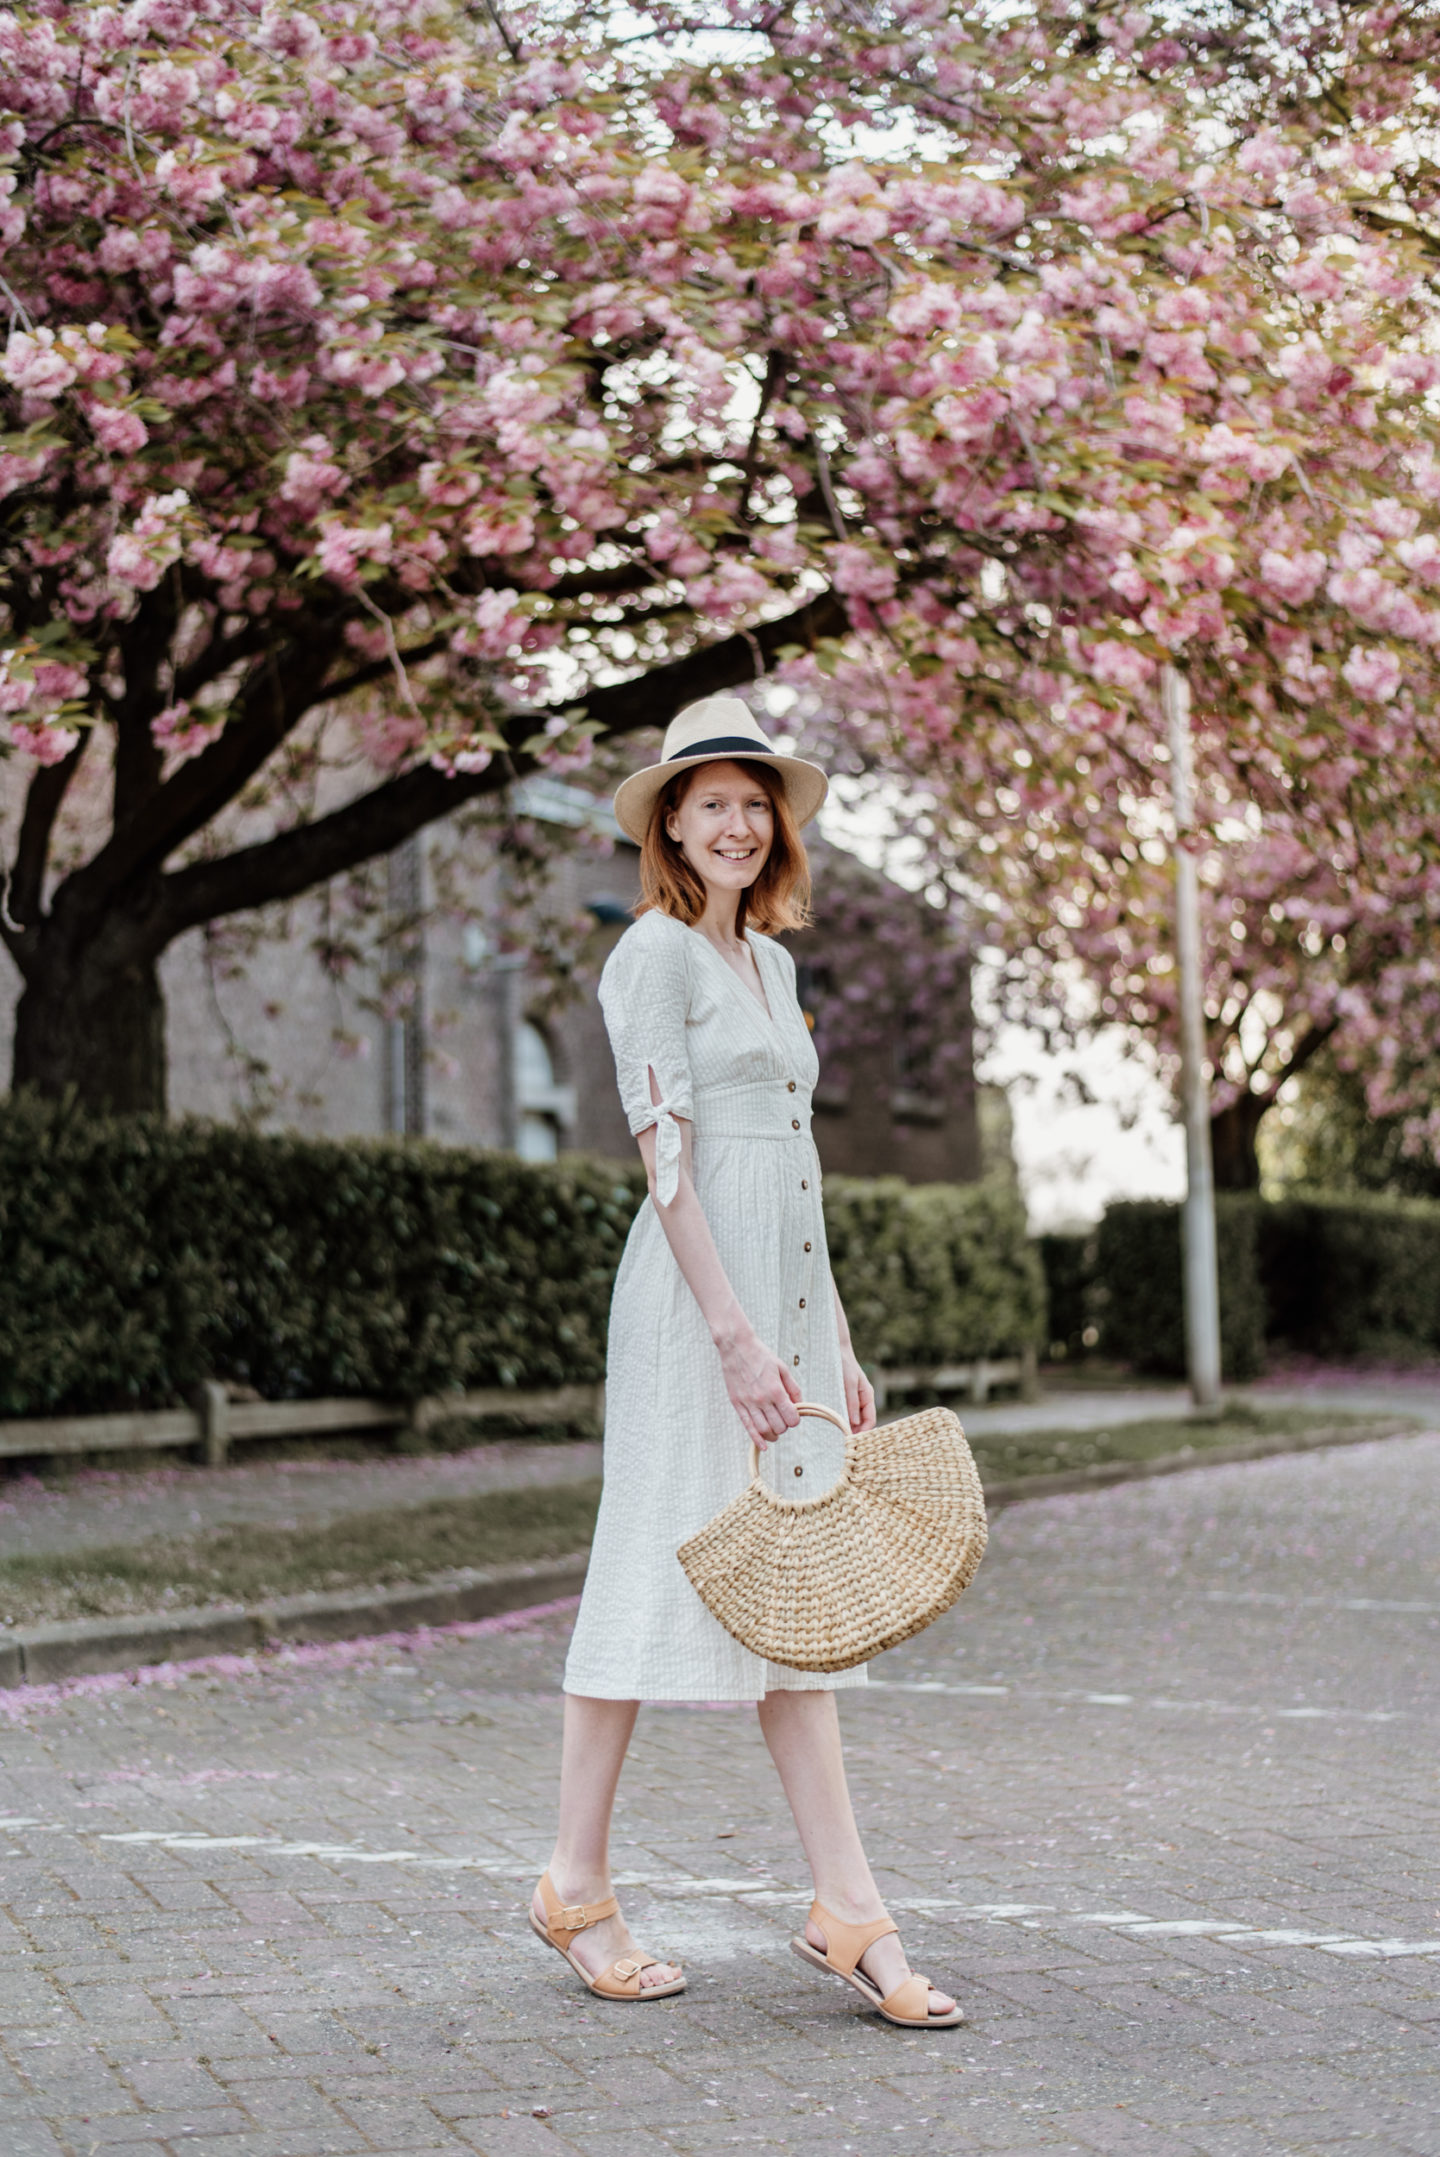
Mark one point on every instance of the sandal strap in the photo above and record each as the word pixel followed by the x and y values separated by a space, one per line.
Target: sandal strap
pixel 568 1918
pixel 622 1979
pixel 845 1944
pixel 910 2001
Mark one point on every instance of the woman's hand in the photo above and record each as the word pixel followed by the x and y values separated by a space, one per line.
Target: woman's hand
pixel 762 1392
pixel 859 1393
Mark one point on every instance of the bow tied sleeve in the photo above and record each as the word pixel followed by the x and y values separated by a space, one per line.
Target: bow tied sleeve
pixel 645 996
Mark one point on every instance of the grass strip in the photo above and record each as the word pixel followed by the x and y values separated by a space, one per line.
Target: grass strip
pixel 248 1563
pixel 1008 1456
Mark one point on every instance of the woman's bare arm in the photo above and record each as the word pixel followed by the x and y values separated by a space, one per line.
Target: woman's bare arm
pixel 859 1393
pixel 762 1392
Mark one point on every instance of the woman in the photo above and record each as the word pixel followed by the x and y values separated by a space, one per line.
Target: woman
pixel 724 1316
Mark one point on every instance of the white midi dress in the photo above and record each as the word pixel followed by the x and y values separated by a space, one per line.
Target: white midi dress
pixel 675 1450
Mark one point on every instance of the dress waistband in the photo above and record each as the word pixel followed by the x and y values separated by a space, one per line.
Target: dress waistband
pixel 763 1108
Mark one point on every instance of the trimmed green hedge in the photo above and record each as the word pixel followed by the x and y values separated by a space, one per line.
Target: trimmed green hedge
pixel 1139 1300
pixel 1334 1277
pixel 141 1257
pixel 138 1258
pixel 1069 1262
pixel 1352 1276
pixel 933 1273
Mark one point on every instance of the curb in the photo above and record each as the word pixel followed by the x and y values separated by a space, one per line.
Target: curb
pixel 81 1647
pixel 1099 1475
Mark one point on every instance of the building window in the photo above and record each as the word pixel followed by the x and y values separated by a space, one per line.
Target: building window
pixel 542 1106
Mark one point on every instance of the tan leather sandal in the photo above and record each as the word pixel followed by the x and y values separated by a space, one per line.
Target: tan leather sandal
pixel 622 1980
pixel 908 2005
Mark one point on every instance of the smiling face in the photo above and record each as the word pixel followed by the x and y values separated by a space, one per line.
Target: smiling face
pixel 724 826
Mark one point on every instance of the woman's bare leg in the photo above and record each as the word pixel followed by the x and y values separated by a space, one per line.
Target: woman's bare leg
pixel 596 1739
pixel 802 1731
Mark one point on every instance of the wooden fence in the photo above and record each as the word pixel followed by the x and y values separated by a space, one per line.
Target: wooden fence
pixel 216 1422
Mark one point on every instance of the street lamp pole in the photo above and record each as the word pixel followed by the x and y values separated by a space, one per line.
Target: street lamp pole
pixel 1202 1278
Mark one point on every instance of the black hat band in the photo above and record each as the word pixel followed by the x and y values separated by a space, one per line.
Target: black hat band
pixel 725 745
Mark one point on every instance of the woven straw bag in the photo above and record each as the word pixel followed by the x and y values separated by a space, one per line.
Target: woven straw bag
pixel 825 1583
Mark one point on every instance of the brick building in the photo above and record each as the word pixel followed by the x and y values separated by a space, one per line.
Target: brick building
pixel 458 1043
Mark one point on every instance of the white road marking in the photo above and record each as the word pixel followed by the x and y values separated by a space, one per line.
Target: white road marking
pixel 764 1892
pixel 1075 1698
pixel 1322 1602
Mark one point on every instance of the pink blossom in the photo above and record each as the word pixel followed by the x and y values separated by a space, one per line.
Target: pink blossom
pixel 271 388
pixel 192 186
pixel 498 622
pixel 662 199
pixel 447 486
pixel 669 543
pixel 178 732
pixel 500 528
pixel 1422 555
pixel 1261 460
pixel 924 306
pixel 139 558
pixel 343 547
pixel 1392 519
pixel 1267 156
pixel 1121 666
pixel 32 363
pixel 47 744
pixel 217 560
pixel 371 372
pixel 731 587
pixel 58 681
pixel 19 470
pixel 859 575
pixel 312 476
pixel 117 429
pixel 1294 578
pixel 1373 672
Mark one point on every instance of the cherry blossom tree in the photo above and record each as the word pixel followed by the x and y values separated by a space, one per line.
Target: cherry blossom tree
pixel 508 379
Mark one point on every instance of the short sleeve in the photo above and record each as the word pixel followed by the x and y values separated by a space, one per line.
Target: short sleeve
pixel 645 996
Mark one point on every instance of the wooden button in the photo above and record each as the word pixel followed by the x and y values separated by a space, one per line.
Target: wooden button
pixel 799 1471
pixel 794 1123
pixel 791 1087
pixel 807 1246
pixel 802 1303
pixel 794 1359
pixel 804 1184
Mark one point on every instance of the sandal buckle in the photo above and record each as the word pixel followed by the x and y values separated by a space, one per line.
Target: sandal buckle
pixel 571 1917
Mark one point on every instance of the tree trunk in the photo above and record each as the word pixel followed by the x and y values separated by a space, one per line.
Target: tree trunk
pixel 1233 1133
pixel 91 1023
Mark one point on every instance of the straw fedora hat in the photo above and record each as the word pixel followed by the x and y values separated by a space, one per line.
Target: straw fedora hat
pixel 716 729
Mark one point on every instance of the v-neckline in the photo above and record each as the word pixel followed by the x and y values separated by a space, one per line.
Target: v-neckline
pixel 761 1002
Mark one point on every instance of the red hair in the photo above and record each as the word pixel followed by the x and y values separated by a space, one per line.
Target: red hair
pixel 778 899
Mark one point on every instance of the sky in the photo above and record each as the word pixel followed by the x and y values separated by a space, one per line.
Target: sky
pixel 1074 1154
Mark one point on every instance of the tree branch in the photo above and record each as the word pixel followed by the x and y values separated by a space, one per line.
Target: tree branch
pixel 377 822
pixel 48 789
pixel 280 690
pixel 381 670
pixel 1309 1047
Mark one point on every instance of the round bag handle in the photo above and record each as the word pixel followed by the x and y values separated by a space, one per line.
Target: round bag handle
pixel 803 1408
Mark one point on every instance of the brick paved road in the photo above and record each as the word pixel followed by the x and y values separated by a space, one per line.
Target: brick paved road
pixel 1161 1804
